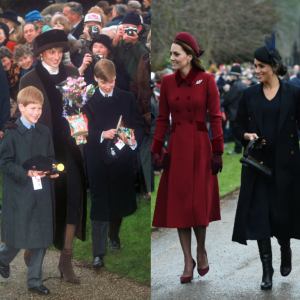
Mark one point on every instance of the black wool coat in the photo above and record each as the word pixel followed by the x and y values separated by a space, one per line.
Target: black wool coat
pixel 112 183
pixel 287 163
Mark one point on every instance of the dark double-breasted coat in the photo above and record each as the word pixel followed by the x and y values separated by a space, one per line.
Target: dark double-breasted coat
pixel 26 213
pixel 112 184
pixel 188 193
pixel 287 163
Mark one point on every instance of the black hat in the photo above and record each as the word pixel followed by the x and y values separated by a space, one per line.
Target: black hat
pixel 235 70
pixel 262 54
pixel 50 39
pixel 10 15
pixel 40 162
pixel 5 29
pixel 268 54
pixel 103 39
pixel 132 18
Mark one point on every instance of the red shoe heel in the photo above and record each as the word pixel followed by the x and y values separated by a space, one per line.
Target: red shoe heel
pixel 188 279
pixel 202 272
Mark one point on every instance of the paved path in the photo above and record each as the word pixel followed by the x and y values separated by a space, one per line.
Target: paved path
pixel 235 270
pixel 95 285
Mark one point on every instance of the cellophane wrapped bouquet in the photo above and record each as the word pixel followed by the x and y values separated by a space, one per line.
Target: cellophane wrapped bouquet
pixel 75 94
pixel 124 132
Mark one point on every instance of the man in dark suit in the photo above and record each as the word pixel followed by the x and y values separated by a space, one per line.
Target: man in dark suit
pixel 74 12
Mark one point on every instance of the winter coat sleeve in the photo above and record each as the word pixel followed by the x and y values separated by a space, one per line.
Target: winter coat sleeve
pixel 7 153
pixel 162 121
pixel 123 79
pixel 241 126
pixel 4 98
pixel 138 50
pixel 215 117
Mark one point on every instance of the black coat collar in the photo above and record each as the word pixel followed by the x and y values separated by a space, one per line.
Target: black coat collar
pixel 115 96
pixel 286 99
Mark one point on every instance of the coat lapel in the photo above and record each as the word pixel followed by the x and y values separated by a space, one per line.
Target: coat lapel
pixel 286 98
pixel 256 103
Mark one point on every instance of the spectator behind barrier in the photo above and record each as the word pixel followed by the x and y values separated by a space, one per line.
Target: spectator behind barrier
pixel 30 31
pixel 74 12
pixel 25 59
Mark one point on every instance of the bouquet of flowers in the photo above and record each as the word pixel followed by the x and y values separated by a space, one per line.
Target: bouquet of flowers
pixel 75 94
pixel 122 131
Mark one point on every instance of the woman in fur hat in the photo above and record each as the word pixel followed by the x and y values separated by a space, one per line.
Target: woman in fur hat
pixel 70 192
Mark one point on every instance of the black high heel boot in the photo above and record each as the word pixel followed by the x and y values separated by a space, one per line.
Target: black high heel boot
pixel 286 257
pixel 265 252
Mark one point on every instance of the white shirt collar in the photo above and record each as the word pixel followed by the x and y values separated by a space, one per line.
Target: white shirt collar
pixel 50 69
pixel 103 94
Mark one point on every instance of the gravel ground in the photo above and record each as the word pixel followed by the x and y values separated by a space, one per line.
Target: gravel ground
pixel 96 285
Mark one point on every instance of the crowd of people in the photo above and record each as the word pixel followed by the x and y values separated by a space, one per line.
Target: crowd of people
pixel 109 46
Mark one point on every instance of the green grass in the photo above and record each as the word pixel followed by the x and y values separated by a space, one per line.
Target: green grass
pixel 131 261
pixel 229 178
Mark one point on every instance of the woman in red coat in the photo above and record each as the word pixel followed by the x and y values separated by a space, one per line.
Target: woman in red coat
pixel 188 194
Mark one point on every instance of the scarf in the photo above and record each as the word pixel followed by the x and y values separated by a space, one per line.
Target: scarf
pixel 14 74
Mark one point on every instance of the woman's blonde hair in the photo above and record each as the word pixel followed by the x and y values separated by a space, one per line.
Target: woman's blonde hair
pixel 64 22
pixel 196 62
pixel 17 35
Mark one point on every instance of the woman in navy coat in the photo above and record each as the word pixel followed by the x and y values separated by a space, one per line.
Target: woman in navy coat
pixel 270 207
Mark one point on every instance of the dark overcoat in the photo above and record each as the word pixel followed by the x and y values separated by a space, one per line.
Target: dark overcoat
pixel 52 117
pixel 112 183
pixel 26 213
pixel 188 193
pixel 287 165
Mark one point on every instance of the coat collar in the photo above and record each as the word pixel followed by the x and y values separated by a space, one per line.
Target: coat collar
pixel 286 96
pixel 188 78
pixel 115 96
pixel 22 129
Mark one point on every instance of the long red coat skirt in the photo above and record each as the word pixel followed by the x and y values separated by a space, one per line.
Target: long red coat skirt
pixel 188 193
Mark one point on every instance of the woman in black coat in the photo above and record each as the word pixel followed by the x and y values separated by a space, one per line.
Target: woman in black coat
pixel 270 207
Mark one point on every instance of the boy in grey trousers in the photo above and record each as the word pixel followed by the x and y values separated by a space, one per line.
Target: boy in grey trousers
pixel 26 197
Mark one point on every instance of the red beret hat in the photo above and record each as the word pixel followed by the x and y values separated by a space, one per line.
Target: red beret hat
pixel 189 40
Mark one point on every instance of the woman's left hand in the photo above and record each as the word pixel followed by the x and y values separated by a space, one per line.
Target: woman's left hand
pixel 216 163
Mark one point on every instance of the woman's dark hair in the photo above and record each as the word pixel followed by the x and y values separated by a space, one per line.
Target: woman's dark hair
pixel 196 62
pixel 283 69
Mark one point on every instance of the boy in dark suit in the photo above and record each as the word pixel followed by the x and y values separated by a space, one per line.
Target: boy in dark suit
pixel 27 204
pixel 110 165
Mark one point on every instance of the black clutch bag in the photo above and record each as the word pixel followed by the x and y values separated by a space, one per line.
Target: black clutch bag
pixel 252 163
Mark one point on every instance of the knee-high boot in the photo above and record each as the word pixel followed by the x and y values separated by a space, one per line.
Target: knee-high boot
pixel 265 252
pixel 286 257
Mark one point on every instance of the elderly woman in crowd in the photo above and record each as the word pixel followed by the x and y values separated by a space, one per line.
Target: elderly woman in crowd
pixel 70 189
pixel 101 45
pixel 25 59
pixel 10 18
pixel 4 35
pixel 12 71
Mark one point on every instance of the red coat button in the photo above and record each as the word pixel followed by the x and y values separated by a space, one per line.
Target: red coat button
pixel 189 110
pixel 178 110
pixel 177 98
pixel 178 123
pixel 188 97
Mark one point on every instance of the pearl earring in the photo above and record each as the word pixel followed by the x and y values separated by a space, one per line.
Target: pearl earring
pixel 41 58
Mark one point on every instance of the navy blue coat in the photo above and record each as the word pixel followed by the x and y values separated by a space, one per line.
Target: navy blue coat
pixel 287 163
pixel 112 183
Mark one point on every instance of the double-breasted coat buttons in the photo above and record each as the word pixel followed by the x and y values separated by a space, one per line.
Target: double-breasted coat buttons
pixel 292 152
pixel 292 135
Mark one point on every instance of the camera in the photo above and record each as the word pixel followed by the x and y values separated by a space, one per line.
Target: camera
pixel 130 30
pixel 93 30
pixel 96 58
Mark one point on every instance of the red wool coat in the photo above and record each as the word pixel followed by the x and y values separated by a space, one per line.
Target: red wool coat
pixel 188 193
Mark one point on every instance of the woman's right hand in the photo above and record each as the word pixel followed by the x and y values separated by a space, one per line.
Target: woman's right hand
pixel 109 134
pixel 251 136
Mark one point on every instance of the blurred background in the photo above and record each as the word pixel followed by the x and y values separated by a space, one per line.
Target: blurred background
pixel 228 31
